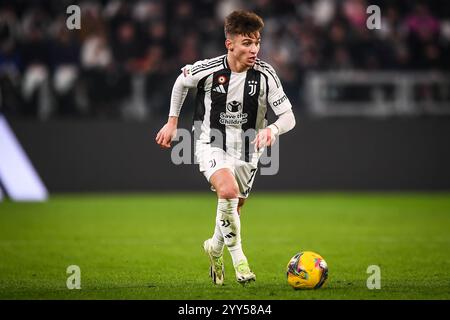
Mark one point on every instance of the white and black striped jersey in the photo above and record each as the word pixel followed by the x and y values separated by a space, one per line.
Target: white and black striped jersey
pixel 232 103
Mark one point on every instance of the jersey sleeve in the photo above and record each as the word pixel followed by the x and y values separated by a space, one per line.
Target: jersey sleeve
pixel 192 73
pixel 276 97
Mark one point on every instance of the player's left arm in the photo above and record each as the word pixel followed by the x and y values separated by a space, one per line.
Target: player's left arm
pixel 282 107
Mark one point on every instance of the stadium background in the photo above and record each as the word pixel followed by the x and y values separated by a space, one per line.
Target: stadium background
pixel 372 109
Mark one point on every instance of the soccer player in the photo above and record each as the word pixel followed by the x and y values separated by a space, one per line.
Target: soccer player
pixel 233 93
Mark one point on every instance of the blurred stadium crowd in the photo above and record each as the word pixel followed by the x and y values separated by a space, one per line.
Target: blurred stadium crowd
pixel 128 53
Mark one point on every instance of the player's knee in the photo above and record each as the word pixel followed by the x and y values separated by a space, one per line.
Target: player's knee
pixel 228 192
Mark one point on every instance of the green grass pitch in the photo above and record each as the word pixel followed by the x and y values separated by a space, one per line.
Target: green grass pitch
pixel 149 246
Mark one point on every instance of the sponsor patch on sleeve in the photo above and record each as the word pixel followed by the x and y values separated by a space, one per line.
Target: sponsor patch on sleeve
pixel 186 70
pixel 279 101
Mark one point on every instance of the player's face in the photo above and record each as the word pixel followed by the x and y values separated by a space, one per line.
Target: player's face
pixel 245 48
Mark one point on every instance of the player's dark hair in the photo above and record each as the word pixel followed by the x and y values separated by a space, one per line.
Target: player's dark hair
pixel 242 22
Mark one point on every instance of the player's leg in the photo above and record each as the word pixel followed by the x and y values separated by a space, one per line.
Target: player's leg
pixel 227 191
pixel 228 221
pixel 223 184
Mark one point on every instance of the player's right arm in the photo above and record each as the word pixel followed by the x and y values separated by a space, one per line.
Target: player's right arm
pixel 179 92
pixel 169 130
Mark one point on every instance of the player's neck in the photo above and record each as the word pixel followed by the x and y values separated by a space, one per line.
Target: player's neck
pixel 234 64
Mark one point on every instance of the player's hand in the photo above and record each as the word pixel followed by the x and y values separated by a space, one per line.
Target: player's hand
pixel 264 138
pixel 166 135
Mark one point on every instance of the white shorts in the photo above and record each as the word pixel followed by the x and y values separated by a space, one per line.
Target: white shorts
pixel 211 159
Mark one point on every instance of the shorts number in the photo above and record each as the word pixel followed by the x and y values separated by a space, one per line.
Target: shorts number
pixel 253 171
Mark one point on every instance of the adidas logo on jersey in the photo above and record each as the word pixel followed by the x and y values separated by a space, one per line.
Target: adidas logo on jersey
pixel 220 88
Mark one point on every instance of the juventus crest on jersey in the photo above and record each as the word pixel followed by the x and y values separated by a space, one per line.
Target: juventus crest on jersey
pixel 229 104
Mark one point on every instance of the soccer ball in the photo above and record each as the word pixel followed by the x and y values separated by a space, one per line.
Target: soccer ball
pixel 307 270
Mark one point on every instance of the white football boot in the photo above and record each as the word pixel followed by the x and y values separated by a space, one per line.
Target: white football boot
pixel 243 273
pixel 216 268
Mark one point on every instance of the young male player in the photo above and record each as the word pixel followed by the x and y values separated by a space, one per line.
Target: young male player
pixel 233 93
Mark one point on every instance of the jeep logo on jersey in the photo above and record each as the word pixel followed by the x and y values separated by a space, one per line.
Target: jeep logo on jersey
pixel 234 106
